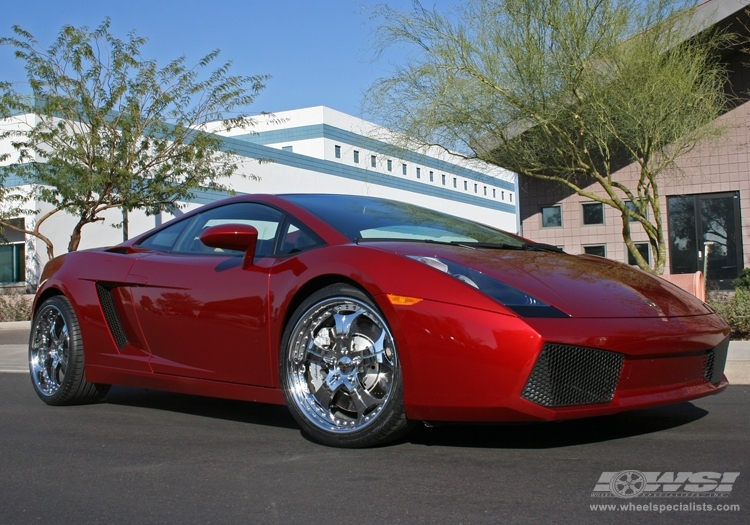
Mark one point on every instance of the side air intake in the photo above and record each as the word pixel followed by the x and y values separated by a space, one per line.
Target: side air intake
pixel 104 290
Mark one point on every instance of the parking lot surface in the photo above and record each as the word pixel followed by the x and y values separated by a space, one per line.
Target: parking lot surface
pixel 144 456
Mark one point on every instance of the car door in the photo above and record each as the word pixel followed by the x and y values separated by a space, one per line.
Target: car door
pixel 203 315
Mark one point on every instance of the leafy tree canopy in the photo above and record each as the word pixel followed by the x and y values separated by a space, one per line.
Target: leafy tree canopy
pixel 105 128
pixel 568 91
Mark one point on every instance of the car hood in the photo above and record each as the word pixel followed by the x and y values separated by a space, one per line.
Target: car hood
pixel 582 286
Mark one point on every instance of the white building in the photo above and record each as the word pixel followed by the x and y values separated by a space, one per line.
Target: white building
pixel 311 150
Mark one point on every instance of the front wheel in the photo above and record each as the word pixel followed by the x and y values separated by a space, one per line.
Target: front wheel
pixel 56 356
pixel 340 370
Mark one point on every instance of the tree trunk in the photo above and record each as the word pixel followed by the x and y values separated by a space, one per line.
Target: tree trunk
pixel 125 220
pixel 75 237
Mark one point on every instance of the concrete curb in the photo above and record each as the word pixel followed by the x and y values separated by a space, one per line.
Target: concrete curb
pixel 16 325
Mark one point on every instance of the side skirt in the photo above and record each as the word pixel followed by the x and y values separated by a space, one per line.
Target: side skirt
pixel 184 385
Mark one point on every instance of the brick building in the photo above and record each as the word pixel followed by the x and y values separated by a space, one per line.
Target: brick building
pixel 707 203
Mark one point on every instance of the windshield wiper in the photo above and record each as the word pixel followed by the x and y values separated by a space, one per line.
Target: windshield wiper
pixel 358 240
pixel 541 247
pixel 490 245
pixel 534 247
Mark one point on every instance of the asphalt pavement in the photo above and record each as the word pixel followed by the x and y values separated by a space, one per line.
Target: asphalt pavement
pixel 151 457
pixel 144 456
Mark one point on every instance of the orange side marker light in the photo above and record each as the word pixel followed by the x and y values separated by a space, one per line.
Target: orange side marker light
pixel 402 300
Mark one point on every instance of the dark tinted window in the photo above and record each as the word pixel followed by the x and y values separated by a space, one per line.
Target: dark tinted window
pixel 642 248
pixel 595 250
pixel 184 236
pixel 263 218
pixel 296 238
pixel 370 218
pixel 164 240
pixel 631 206
pixel 551 216
pixel 593 213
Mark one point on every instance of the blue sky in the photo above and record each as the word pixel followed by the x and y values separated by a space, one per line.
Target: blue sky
pixel 317 51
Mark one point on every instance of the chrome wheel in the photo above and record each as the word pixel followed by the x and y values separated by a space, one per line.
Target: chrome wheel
pixel 341 365
pixel 56 359
pixel 49 351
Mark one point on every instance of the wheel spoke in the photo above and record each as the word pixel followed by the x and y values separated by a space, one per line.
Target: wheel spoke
pixel 64 336
pixel 363 402
pixel 344 322
pixel 324 395
pixel 53 339
pixel 377 349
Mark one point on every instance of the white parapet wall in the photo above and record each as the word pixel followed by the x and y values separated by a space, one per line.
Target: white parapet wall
pixel 310 150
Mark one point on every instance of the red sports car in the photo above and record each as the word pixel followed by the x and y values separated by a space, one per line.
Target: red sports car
pixel 364 315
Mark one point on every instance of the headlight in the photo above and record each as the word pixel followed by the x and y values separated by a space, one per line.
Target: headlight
pixel 520 302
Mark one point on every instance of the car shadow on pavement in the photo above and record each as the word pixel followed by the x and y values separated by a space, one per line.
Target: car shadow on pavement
pixel 228 409
pixel 511 436
pixel 557 434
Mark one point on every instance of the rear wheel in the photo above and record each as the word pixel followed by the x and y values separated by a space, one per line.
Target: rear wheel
pixel 56 359
pixel 340 370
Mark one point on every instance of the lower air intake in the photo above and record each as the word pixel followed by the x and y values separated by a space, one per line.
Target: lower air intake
pixel 572 375
pixel 709 371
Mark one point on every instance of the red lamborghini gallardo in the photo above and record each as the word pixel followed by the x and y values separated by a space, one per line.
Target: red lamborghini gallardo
pixel 363 315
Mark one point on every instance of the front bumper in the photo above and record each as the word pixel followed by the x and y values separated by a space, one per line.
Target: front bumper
pixel 464 364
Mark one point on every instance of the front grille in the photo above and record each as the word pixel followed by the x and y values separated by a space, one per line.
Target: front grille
pixel 572 375
pixel 709 370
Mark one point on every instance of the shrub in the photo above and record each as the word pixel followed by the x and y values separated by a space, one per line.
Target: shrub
pixel 736 312
pixel 743 281
pixel 14 307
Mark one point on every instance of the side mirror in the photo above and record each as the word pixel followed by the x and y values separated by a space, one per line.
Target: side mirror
pixel 239 237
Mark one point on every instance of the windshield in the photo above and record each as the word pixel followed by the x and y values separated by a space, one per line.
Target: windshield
pixel 363 218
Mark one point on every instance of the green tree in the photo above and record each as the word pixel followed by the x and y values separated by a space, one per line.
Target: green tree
pixel 567 91
pixel 104 128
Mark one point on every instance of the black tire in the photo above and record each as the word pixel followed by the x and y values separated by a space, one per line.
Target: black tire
pixel 340 371
pixel 56 358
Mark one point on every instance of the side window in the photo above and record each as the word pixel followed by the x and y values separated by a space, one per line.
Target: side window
pixel 296 239
pixel 263 218
pixel 164 240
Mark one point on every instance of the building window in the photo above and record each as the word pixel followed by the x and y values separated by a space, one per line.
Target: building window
pixel 485 191
pixel 705 233
pixel 337 151
pixel 631 206
pixel 403 169
pixel 494 194
pixel 466 186
pixel 13 263
pixel 443 179
pixel 593 213
pixel 431 174
pixel 390 165
pixel 419 173
pixel 642 248
pixel 551 216
pixel 373 161
pixel 599 250
pixel 475 188
pixel 286 148
pixel 455 182
pixel 502 195
pixel 356 157
pixel 510 195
